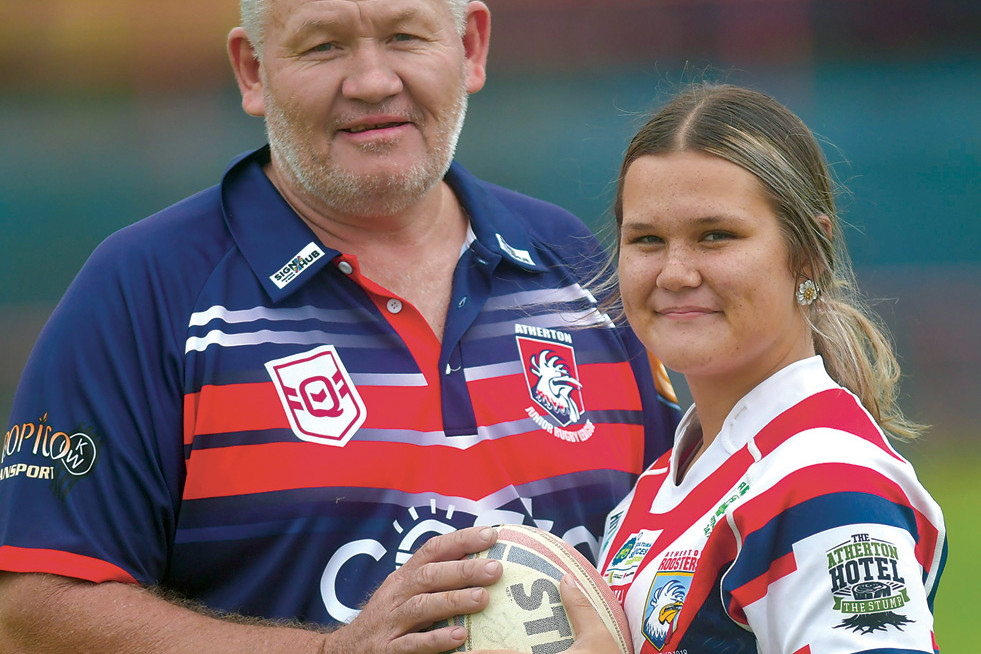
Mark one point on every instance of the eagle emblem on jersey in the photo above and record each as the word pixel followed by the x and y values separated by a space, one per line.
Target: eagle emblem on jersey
pixel 663 605
pixel 667 596
pixel 866 584
pixel 321 401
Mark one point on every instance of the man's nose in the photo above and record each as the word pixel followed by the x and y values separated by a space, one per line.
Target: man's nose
pixel 370 78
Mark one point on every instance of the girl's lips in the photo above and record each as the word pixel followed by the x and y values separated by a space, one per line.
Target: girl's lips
pixel 684 312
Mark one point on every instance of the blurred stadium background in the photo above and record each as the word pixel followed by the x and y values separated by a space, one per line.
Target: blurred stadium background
pixel 112 109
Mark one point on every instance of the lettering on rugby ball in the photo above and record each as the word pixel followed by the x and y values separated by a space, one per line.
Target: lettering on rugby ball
pixel 525 613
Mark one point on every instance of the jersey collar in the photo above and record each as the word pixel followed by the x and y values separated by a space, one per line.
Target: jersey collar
pixel 495 226
pixel 284 253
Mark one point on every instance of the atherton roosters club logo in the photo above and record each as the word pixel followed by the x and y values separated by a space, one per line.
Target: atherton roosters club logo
pixel 321 402
pixel 549 363
pixel 667 596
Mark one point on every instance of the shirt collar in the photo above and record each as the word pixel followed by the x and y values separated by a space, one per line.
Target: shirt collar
pixel 284 253
pixel 771 397
pixel 494 225
pixel 281 249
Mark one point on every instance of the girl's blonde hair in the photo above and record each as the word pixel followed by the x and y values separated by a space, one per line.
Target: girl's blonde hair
pixel 760 135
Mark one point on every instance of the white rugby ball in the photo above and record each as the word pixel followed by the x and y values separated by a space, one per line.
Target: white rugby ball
pixel 525 613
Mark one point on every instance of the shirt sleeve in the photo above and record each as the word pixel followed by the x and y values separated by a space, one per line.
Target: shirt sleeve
pixel 92 459
pixel 840 558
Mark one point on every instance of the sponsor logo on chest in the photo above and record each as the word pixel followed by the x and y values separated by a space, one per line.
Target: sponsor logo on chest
pixel 628 558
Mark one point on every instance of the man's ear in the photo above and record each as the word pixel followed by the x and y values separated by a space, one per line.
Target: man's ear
pixel 476 45
pixel 247 67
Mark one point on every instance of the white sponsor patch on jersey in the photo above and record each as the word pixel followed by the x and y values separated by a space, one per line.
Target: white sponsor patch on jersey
pixel 321 401
pixel 292 268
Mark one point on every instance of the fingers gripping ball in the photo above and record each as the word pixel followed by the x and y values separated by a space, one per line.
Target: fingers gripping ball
pixel 525 612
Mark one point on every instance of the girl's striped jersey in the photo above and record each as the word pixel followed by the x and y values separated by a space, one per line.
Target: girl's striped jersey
pixel 799 530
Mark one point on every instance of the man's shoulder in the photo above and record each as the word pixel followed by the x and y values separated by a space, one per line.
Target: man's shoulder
pixel 170 253
pixel 541 218
pixel 533 210
pixel 187 228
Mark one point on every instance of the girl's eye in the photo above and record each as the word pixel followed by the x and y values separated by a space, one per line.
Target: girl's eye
pixel 717 236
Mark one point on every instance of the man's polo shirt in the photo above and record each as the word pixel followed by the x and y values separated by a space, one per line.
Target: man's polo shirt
pixel 224 406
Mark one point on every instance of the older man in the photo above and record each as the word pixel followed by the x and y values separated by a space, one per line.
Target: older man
pixel 265 398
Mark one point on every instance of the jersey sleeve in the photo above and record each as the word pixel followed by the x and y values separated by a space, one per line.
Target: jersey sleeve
pixel 838 557
pixel 92 458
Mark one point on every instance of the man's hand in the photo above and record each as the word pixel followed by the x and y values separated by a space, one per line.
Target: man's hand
pixel 437 583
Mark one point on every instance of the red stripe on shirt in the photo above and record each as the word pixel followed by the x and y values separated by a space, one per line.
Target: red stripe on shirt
pixel 757 588
pixel 66 564
pixel 826 478
pixel 253 407
pixel 241 470
pixel 832 409
pixel 232 408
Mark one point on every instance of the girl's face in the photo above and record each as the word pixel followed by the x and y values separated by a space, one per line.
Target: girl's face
pixel 704 271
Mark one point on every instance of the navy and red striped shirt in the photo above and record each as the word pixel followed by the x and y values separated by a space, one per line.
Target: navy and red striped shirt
pixel 226 407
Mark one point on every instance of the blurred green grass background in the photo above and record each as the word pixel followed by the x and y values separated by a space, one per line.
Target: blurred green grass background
pixel 952 477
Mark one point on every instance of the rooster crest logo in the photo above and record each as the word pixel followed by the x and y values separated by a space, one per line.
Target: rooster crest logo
pixel 663 605
pixel 549 364
pixel 553 390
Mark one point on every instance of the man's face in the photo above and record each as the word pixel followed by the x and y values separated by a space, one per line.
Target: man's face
pixel 364 99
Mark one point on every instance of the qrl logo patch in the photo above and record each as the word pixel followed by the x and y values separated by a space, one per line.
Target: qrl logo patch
pixel 553 379
pixel 321 402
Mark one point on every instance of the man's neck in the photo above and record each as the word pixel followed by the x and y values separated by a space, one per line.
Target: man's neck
pixel 411 253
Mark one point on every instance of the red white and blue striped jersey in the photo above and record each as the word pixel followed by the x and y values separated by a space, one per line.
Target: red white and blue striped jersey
pixel 224 406
pixel 799 530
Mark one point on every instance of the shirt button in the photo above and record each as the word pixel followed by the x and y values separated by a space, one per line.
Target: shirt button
pixel 345 267
pixel 394 306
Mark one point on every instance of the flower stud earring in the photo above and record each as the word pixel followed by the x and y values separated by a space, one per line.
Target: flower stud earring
pixel 807 292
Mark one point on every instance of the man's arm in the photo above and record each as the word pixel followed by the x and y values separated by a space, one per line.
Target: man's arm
pixel 42 613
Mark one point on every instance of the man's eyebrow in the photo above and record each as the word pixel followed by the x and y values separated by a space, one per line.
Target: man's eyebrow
pixel 316 25
pixel 408 15
pixel 325 24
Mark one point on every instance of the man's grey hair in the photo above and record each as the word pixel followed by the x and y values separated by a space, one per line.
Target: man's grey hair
pixel 253 17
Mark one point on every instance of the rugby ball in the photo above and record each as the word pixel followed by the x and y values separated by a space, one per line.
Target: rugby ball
pixel 525 613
